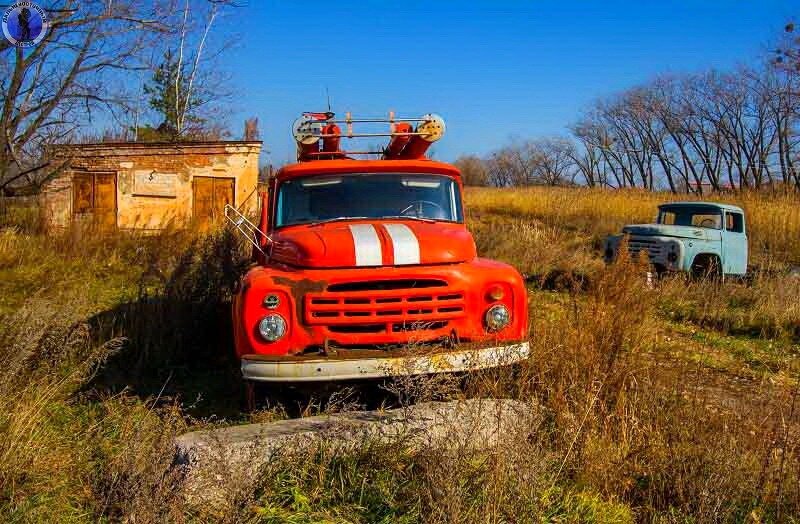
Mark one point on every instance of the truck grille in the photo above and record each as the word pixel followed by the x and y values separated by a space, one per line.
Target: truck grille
pixel 653 248
pixel 385 305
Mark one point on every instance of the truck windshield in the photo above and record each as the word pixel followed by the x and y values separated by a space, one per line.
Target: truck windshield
pixel 694 216
pixel 324 198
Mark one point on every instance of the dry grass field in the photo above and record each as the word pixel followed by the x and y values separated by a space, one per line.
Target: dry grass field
pixel 672 403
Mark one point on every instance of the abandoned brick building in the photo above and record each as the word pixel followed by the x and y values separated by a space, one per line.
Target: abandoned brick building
pixel 149 186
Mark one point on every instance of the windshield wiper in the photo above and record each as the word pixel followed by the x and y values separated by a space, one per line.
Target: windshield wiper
pixel 336 219
pixel 392 217
pixel 404 217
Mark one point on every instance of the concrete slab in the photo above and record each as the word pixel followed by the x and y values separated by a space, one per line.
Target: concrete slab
pixel 219 461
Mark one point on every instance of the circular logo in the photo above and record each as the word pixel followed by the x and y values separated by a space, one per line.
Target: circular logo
pixel 24 24
pixel 271 301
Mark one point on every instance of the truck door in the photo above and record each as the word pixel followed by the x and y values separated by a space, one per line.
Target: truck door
pixel 734 244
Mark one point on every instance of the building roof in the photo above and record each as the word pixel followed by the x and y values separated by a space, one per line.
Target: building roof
pixel 122 149
pixel 145 145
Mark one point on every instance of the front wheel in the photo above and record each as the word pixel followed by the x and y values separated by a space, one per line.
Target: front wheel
pixel 291 399
pixel 707 267
pixel 260 395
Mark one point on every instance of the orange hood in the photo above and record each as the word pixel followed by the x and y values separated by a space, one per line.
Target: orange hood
pixel 373 243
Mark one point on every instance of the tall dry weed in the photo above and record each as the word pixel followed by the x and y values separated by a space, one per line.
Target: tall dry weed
pixel 544 254
pixel 765 306
pixel 773 219
pixel 416 480
pixel 70 449
pixel 49 355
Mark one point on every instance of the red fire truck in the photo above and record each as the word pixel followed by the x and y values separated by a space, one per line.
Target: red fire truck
pixel 364 268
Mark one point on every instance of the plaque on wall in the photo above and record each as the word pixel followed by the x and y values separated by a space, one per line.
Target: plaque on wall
pixel 155 184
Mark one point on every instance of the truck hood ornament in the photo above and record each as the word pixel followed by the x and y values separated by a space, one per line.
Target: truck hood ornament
pixel 373 243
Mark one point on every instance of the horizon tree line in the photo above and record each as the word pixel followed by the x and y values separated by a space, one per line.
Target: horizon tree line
pixel 688 133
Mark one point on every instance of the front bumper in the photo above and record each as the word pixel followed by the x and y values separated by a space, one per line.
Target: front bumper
pixel 315 369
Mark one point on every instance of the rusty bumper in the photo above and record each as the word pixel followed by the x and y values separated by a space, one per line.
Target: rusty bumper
pixel 319 369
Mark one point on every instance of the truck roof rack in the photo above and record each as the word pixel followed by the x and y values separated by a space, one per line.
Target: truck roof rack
pixel 318 135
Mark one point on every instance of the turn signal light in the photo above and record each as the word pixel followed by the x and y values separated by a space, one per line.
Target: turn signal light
pixel 495 293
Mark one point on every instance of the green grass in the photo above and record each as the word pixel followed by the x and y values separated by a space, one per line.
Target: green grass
pixel 740 355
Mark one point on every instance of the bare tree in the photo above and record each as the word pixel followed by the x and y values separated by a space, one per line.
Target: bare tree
pixel 188 85
pixel 512 165
pixel 587 160
pixel 49 90
pixel 594 135
pixel 785 103
pixel 474 171
pixel 711 131
pixel 715 131
pixel 553 164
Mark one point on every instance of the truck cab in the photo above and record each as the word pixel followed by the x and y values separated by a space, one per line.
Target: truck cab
pixel 701 238
pixel 365 268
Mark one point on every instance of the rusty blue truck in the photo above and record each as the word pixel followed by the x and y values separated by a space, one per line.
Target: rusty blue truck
pixel 700 238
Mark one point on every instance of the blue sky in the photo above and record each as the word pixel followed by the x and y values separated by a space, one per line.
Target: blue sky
pixel 493 70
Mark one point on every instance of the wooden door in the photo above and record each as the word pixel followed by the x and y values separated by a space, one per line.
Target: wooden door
pixel 105 200
pixel 223 194
pixel 82 193
pixel 203 200
pixel 94 198
pixel 210 196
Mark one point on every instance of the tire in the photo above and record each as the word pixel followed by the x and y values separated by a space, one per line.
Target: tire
pixel 257 395
pixel 707 267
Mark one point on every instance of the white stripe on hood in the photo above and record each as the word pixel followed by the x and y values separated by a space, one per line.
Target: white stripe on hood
pixel 367 244
pixel 404 243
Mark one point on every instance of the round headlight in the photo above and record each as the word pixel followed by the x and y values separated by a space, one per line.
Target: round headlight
pixel 272 328
pixel 497 317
